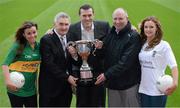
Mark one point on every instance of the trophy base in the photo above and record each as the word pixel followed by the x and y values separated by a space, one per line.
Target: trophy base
pixel 86 82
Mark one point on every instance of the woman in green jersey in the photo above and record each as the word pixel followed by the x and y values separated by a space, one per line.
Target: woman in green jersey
pixel 23 57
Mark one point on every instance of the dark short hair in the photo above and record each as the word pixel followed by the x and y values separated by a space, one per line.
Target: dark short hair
pixel 85 7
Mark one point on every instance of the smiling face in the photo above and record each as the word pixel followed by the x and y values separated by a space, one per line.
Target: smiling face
pixel 86 17
pixel 120 19
pixel 30 34
pixel 150 29
pixel 62 25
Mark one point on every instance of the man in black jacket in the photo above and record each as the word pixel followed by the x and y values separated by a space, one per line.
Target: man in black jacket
pixel 87 29
pixel 122 68
pixel 55 77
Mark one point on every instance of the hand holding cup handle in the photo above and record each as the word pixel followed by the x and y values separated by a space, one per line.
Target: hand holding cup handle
pixel 98 44
pixel 71 49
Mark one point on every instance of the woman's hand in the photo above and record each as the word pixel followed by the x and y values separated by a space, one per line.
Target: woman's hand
pixel 11 86
pixel 171 89
pixel 8 82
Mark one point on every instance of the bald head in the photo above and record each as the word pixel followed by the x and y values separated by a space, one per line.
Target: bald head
pixel 119 11
pixel 120 18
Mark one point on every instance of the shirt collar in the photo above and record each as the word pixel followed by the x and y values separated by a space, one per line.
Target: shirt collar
pixel 117 31
pixel 92 27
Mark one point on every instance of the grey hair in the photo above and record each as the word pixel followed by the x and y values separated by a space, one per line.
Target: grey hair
pixel 61 15
pixel 120 10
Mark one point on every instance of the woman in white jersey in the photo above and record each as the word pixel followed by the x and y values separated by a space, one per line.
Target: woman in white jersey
pixel 155 55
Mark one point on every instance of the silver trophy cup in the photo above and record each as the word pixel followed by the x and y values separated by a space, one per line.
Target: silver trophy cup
pixel 83 48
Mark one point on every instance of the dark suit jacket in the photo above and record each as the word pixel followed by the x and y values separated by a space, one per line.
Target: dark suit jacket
pixel 101 29
pixel 53 76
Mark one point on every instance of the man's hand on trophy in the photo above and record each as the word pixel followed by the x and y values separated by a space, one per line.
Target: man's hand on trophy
pixel 72 51
pixel 98 44
pixel 101 78
pixel 72 80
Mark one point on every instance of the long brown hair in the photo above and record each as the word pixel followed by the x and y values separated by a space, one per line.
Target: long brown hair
pixel 159 33
pixel 19 36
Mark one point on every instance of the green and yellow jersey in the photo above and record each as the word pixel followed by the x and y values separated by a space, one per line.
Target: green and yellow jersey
pixel 27 64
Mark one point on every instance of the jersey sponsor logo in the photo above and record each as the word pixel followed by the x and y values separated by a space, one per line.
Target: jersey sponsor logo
pixel 147 64
pixel 28 57
pixel 25 66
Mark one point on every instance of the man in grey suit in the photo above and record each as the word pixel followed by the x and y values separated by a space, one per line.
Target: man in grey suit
pixel 87 29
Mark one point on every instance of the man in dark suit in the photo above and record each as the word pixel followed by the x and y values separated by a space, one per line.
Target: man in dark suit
pixel 55 77
pixel 87 29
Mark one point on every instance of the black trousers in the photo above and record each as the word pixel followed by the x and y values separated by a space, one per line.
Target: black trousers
pixel 61 100
pixel 91 96
pixel 17 101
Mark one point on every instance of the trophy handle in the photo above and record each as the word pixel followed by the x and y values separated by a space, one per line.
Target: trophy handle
pixel 94 42
pixel 71 43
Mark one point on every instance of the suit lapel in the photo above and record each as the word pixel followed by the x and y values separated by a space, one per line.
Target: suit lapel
pixel 58 43
pixel 68 37
pixel 79 31
pixel 95 31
